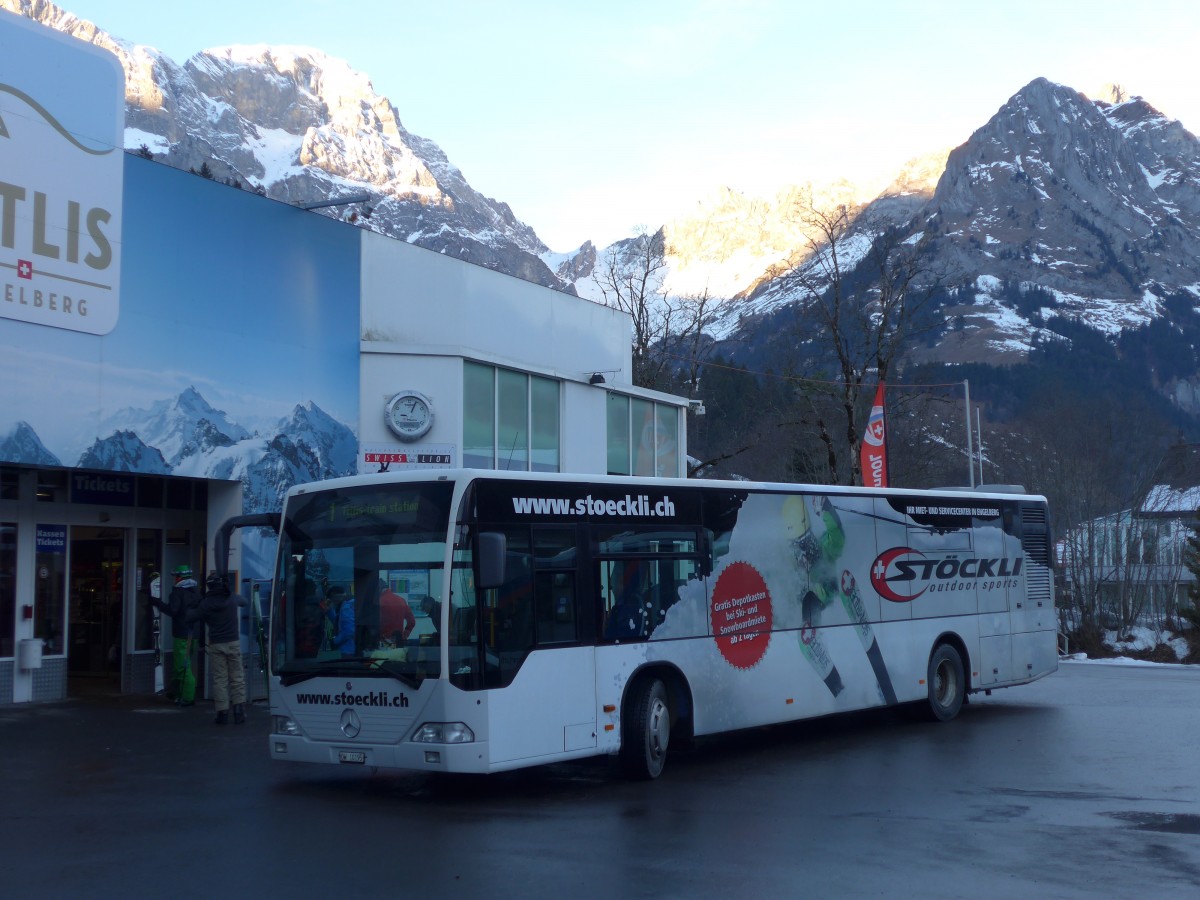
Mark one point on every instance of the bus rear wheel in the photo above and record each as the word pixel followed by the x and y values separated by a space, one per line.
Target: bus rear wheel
pixel 646 730
pixel 947 686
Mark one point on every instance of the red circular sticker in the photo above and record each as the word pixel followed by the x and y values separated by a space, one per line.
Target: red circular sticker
pixel 741 615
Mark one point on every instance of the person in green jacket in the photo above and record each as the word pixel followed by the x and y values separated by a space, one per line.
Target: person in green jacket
pixel 184 596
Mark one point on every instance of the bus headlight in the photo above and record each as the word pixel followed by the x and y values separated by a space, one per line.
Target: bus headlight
pixel 444 733
pixel 284 725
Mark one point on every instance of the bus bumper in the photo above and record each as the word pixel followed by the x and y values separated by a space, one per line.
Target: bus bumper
pixel 419 757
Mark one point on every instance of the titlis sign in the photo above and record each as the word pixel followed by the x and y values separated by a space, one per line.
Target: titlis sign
pixel 62 121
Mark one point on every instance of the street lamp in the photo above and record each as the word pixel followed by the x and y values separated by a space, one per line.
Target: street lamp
pixel 336 201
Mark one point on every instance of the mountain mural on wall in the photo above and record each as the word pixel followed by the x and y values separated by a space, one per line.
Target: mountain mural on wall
pixel 22 443
pixel 185 435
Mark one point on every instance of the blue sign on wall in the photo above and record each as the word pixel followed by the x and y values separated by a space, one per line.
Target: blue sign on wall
pixel 52 539
pixel 105 489
pixel 235 357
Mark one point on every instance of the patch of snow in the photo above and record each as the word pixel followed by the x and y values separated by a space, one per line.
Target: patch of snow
pixel 134 138
pixel 279 153
pixel 1142 639
pixel 1152 179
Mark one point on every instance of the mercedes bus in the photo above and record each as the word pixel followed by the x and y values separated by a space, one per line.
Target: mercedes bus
pixel 471 621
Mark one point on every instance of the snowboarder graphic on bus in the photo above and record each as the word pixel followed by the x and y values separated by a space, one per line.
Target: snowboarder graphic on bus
pixel 817 550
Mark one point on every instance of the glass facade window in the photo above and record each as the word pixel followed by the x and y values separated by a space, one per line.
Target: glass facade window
pixel 179 493
pixel 149 568
pixel 479 416
pixel 643 437
pixel 8 585
pixel 9 484
pixel 544 424
pixel 50 587
pixel 618 434
pixel 511 420
pixel 666 440
pixel 150 492
pixel 52 486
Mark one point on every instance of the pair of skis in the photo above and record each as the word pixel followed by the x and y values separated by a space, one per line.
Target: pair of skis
pixel 156 630
pixel 256 621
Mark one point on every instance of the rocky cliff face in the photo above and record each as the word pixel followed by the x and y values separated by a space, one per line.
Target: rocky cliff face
pixel 1089 207
pixel 300 126
pixel 1077 196
pixel 1093 206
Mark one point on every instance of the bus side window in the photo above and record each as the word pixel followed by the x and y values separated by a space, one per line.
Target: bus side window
pixel 554 596
pixel 625 601
pixel 672 576
pixel 554 558
pixel 508 619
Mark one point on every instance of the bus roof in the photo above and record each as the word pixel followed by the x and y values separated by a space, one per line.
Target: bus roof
pixel 1000 492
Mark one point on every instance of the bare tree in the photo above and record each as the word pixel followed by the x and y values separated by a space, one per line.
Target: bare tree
pixel 860 286
pixel 1096 463
pixel 687 348
pixel 670 346
pixel 630 277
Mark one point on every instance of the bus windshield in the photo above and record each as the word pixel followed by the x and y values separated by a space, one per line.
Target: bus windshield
pixel 361 582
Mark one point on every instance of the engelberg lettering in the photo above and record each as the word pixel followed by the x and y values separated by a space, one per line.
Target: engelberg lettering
pixel 54 302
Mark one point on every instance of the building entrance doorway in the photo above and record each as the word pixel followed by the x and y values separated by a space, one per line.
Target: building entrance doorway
pixel 96 585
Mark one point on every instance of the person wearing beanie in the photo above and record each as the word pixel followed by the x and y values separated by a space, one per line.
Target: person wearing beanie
pixel 219 612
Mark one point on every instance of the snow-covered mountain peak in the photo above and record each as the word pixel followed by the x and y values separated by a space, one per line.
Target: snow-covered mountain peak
pixel 289 87
pixel 300 125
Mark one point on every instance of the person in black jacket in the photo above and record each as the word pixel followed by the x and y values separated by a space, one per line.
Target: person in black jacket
pixel 219 611
pixel 184 634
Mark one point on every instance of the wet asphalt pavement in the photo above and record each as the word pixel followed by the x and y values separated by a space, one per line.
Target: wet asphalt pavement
pixel 1081 785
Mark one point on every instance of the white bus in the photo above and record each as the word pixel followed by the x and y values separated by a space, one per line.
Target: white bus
pixel 558 617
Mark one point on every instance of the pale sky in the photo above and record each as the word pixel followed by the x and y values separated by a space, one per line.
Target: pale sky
pixel 590 120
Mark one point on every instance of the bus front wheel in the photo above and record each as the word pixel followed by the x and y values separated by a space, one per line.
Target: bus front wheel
pixel 947 686
pixel 646 730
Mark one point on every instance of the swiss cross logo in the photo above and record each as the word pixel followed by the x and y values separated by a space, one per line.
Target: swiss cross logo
pixel 848 583
pixel 24 268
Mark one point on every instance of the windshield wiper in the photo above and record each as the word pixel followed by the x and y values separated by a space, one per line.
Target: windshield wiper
pixel 322 668
pixel 392 667
pixel 289 678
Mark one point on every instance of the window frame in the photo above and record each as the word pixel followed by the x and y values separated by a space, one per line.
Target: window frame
pixel 540 422
pixel 636 461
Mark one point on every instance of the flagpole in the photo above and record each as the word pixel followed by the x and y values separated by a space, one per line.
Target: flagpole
pixel 979 441
pixel 970 449
pixel 887 457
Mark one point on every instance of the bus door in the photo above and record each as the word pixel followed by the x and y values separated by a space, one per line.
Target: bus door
pixel 639 577
pixel 538 644
pixel 995 626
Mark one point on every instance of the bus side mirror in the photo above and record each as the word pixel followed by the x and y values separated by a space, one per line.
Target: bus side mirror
pixel 489 557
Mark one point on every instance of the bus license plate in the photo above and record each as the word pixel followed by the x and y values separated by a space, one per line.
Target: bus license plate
pixel 352 756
